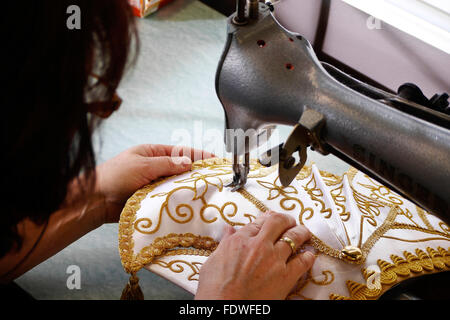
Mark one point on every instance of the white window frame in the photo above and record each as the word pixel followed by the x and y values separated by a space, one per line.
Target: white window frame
pixel 427 20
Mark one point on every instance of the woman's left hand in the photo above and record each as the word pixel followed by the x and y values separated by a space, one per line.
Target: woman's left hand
pixel 119 177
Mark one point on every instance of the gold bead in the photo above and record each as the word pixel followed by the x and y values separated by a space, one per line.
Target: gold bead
pixel 351 253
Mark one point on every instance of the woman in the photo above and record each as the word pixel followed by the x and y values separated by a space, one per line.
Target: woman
pixel 60 82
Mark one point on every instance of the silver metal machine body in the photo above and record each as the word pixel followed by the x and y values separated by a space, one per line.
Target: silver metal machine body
pixel 268 75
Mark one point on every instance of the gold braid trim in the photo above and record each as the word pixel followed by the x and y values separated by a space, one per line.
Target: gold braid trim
pixel 321 246
pixel 128 216
pixel 126 224
pixel 257 203
pixel 187 252
pixel 409 266
pixel 162 244
pixel 134 262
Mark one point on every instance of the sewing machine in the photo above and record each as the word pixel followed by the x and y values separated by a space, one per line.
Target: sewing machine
pixel 268 75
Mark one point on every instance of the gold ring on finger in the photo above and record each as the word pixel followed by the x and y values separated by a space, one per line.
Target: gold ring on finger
pixel 290 242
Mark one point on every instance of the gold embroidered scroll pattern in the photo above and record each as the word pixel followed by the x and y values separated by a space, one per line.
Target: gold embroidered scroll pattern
pixel 385 196
pixel 176 266
pixel 411 265
pixel 339 200
pixel 316 193
pixel 444 227
pixel 381 192
pixel 368 207
pixel 331 179
pixel 328 278
pixel 184 211
pixel 420 263
pixel 315 241
pixel 162 245
pixel 276 191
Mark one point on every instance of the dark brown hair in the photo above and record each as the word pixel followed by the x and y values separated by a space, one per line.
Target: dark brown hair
pixel 46 129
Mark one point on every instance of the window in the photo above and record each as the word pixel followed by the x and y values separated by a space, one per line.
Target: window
pixel 427 20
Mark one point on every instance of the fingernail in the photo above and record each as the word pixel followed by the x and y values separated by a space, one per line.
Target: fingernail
pixel 185 160
pixel 309 257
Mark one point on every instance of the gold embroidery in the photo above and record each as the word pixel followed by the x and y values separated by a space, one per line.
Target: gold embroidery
pixel 134 262
pixel 258 204
pixel 368 207
pixel 250 217
pixel 315 193
pixel 381 192
pixel 304 173
pixel 414 227
pixel 444 227
pixel 317 243
pixel 176 267
pixel 330 178
pixel 303 283
pixel 275 191
pixel 197 177
pixel 375 236
pixel 415 240
pixel 339 200
pixel 422 216
pixel 351 173
pixel 385 196
pixel 176 244
pixel 143 225
pixel 162 244
pixel 186 252
pixel 401 268
pixel 126 223
pixel 321 246
pixel 328 278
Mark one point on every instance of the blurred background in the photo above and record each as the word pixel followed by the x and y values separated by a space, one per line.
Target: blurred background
pixel 169 98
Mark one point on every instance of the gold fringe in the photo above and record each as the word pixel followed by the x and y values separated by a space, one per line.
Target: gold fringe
pixel 132 290
pixel 391 273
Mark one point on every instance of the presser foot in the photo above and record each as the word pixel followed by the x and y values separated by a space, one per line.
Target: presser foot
pixel 240 173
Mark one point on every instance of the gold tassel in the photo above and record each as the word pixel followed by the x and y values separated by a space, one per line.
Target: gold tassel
pixel 132 290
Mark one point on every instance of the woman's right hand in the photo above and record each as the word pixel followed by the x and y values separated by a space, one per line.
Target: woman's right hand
pixel 253 264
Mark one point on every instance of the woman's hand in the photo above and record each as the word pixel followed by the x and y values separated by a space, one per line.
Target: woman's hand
pixel 253 264
pixel 119 177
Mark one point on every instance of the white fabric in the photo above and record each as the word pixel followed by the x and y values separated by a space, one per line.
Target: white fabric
pixel 338 211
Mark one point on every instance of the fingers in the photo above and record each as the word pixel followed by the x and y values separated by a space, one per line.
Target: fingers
pixel 228 231
pixel 298 234
pixel 160 150
pixel 194 154
pixel 276 224
pixel 168 166
pixel 299 264
pixel 253 228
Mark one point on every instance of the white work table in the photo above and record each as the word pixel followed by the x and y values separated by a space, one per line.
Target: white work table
pixel 168 92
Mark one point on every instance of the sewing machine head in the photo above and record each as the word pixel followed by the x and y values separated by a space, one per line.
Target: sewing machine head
pixel 268 75
pixel 262 66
